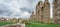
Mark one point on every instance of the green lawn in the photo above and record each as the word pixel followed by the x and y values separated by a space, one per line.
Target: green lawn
pixel 41 25
pixel 32 24
pixel 2 23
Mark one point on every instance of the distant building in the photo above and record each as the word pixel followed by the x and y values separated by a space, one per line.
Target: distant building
pixel 3 19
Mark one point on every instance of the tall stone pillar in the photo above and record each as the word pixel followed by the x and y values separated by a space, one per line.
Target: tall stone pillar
pixel 46 12
pixel 33 17
pixel 56 11
pixel 38 11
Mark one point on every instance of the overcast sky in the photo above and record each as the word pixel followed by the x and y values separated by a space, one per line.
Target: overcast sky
pixel 18 8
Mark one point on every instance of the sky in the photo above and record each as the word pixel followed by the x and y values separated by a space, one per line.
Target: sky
pixel 19 8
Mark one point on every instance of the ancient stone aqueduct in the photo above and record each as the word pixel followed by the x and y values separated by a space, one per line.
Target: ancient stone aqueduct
pixel 42 13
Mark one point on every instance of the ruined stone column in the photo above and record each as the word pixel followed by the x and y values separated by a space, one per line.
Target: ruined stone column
pixel 56 11
pixel 46 12
pixel 39 11
pixel 33 17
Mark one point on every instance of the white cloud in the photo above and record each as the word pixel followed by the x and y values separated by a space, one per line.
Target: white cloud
pixel 13 7
pixel 25 15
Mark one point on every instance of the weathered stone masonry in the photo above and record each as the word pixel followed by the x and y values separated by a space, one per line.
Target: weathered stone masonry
pixel 56 11
pixel 42 12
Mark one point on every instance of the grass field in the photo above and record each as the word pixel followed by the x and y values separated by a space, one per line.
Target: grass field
pixel 5 23
pixel 33 24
